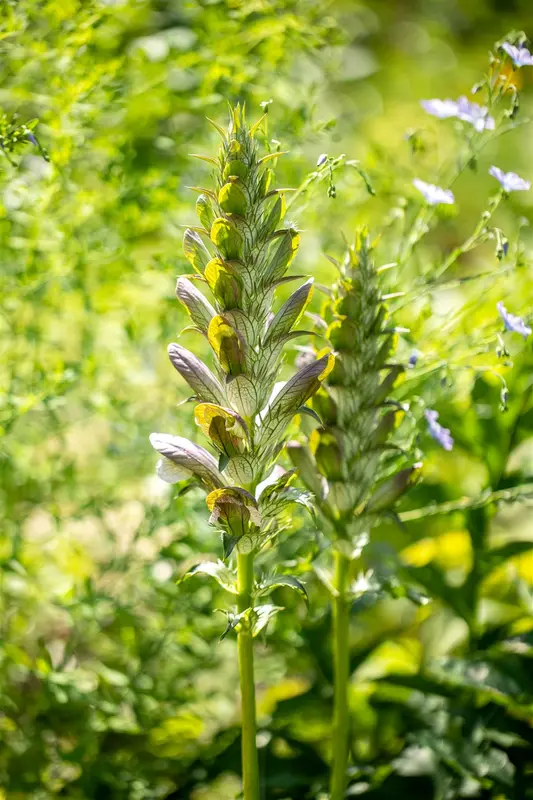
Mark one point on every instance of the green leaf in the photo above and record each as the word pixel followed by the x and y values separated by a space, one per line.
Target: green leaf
pixel 233 620
pixel 262 615
pixel 283 581
pixel 217 570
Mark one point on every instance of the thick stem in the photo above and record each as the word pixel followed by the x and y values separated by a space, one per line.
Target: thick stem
pixel 250 763
pixel 341 659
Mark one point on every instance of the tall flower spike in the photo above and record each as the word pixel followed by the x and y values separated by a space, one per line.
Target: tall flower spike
pixel 240 253
pixel 350 463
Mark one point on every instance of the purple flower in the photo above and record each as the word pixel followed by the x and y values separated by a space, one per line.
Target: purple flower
pixel 434 194
pixel 440 434
pixel 512 322
pixel 322 159
pixel 31 138
pixel 475 114
pixel 443 109
pixel 510 181
pixel 520 56
pixel 463 109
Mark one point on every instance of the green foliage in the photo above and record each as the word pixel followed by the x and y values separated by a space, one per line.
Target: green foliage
pixel 112 682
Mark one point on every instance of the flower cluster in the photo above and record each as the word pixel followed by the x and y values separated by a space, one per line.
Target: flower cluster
pixel 240 253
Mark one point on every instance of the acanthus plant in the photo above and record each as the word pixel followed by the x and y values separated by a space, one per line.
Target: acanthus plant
pixel 351 462
pixel 241 253
pixel 358 463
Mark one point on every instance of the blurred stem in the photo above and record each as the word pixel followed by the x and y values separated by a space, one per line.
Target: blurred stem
pixel 250 763
pixel 341 663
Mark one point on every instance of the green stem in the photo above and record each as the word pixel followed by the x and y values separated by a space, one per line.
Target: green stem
pixel 341 659
pixel 250 763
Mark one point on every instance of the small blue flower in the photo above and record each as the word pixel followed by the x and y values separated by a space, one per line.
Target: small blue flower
pixel 413 358
pixel 463 109
pixel 476 115
pixel 510 181
pixel 520 56
pixel 31 138
pixel 513 323
pixel 434 194
pixel 443 109
pixel 440 434
pixel 322 159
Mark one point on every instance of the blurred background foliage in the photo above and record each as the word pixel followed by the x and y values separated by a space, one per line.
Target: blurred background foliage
pixel 112 682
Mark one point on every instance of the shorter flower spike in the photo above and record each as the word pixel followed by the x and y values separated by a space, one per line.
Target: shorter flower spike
pixel 510 181
pixel 438 432
pixel 434 195
pixel 520 56
pixel 513 323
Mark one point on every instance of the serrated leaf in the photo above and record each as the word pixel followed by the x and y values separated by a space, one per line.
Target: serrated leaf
pixel 199 377
pixel 262 615
pixel 279 581
pixel 233 620
pixel 217 570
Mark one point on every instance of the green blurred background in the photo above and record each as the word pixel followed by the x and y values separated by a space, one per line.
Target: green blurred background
pixel 113 685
